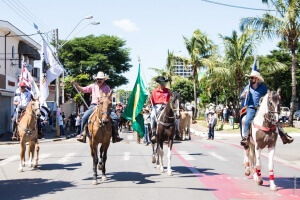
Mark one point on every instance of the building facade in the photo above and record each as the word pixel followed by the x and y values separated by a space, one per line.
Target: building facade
pixel 15 48
pixel 181 70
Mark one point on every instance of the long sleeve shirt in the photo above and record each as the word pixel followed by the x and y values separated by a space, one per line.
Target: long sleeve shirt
pixel 254 95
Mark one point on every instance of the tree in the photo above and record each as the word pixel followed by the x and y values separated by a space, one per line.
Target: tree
pixel 185 88
pixel 91 54
pixel 198 47
pixel 285 25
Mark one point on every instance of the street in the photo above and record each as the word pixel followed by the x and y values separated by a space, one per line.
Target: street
pixel 202 169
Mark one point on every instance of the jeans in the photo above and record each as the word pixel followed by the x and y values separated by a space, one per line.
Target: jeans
pixel 86 116
pixel 61 128
pixel 249 117
pixel 211 133
pixel 153 116
pixel 147 140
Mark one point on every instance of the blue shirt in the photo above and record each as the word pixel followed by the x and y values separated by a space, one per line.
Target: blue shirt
pixel 253 97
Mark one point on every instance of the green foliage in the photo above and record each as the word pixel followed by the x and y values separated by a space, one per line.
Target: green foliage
pixel 91 54
pixel 185 88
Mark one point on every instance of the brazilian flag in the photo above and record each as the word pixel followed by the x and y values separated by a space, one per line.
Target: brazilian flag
pixel 134 107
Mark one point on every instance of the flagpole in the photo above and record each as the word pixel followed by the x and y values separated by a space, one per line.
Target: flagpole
pixel 81 96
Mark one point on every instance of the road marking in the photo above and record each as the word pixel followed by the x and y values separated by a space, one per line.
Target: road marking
pixel 43 156
pixel 217 156
pixel 126 155
pixel 8 160
pixel 66 158
pixel 185 155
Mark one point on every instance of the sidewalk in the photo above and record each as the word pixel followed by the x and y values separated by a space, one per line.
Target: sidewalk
pixel 5 139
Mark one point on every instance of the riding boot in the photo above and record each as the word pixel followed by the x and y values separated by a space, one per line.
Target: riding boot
pixel 82 137
pixel 115 135
pixel 286 139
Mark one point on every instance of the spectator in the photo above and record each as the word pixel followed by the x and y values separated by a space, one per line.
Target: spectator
pixel 77 124
pixel 61 124
pixel 212 123
pixel 147 122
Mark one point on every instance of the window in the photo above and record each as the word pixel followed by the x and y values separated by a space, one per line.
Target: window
pixel 13 52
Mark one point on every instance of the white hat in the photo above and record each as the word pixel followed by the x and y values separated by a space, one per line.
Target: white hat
pixel 255 72
pixel 100 75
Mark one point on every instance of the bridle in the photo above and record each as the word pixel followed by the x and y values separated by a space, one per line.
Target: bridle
pixel 33 113
pixel 99 118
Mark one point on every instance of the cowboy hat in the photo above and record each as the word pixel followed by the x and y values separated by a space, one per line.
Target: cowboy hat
pixel 255 72
pixel 161 79
pixel 22 84
pixel 101 75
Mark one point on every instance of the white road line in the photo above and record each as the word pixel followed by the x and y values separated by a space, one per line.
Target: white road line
pixel 217 156
pixel 43 156
pixel 8 160
pixel 66 158
pixel 126 155
pixel 185 155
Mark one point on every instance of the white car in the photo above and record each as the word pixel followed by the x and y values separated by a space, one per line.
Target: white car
pixel 284 112
pixel 297 115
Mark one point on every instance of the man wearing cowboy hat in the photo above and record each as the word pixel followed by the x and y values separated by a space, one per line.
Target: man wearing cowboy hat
pixel 250 97
pixel 159 97
pixel 94 89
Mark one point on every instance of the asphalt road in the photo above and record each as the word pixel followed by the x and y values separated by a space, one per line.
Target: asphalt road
pixel 202 169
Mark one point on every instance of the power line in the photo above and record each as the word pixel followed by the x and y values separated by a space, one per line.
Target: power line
pixel 234 6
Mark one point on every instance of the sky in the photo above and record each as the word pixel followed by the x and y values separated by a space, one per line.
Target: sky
pixel 150 28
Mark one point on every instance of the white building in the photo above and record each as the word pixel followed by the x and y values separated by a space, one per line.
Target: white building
pixel 15 47
pixel 181 70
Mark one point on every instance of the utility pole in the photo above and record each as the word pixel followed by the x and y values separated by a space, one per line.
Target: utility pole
pixel 57 85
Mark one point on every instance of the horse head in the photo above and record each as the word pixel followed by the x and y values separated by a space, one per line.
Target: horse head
pixel 175 102
pixel 273 113
pixel 105 106
pixel 34 105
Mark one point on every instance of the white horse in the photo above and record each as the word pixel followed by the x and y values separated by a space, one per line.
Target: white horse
pixel 264 132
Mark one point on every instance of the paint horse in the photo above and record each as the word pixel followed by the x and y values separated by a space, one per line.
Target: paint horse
pixel 264 133
pixel 99 129
pixel 165 131
pixel 28 132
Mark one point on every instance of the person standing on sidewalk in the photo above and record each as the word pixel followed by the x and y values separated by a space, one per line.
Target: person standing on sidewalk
pixel 61 124
pixel 212 123
pixel 77 124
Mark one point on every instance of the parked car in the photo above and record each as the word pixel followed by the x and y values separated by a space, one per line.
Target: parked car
pixel 284 112
pixel 297 115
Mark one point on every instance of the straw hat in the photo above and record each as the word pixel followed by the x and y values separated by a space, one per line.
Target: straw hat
pixel 255 72
pixel 101 75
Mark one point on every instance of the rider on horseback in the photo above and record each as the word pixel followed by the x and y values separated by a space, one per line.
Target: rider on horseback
pixel 250 97
pixel 21 100
pixel 94 89
pixel 159 97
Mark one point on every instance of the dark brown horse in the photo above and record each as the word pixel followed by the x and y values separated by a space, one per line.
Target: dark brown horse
pixel 165 131
pixel 28 132
pixel 100 131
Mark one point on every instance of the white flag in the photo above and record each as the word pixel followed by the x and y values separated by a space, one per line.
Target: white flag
pixel 55 69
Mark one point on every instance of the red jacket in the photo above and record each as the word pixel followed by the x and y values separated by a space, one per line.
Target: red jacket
pixel 160 96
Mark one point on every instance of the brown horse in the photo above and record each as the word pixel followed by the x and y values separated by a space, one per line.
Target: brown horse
pixel 100 131
pixel 165 131
pixel 28 132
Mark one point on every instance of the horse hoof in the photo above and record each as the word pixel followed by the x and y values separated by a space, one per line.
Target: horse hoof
pixel 170 173
pixel 95 182
pixel 35 166
pixel 273 187
pixel 20 169
pixel 247 171
pixel 104 178
pixel 161 169
pixel 100 166
pixel 260 182
pixel 153 159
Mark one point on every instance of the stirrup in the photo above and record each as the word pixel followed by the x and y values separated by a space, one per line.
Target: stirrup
pixel 82 139
pixel 245 141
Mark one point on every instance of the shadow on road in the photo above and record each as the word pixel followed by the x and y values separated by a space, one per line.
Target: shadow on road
pixel 283 182
pixel 194 170
pixel 71 166
pixel 136 177
pixel 29 188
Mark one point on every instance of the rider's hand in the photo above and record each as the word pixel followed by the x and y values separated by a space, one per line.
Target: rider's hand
pixel 72 82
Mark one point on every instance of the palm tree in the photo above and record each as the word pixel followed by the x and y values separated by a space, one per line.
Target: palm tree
pixel 286 25
pixel 198 47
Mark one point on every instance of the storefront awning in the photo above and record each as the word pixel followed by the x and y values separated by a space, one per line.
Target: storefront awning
pixel 27 50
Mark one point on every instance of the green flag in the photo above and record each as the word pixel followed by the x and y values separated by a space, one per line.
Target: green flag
pixel 135 105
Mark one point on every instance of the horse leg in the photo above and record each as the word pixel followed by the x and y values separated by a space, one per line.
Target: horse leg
pixel 271 168
pixel 257 174
pixel 31 153
pixel 169 157
pixel 153 153
pixel 161 157
pixel 246 162
pixel 22 156
pixel 37 150
pixel 157 155
pixel 100 164
pixel 94 155
pixel 104 162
